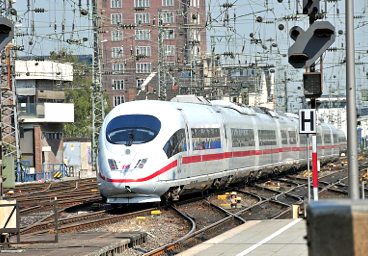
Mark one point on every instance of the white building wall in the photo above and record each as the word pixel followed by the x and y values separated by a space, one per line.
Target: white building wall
pixel 49 70
pixel 54 113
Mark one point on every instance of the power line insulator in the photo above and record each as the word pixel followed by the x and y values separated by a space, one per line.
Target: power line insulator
pixel 39 10
pixel 84 12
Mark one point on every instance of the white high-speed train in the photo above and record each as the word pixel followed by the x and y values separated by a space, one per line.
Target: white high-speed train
pixel 149 150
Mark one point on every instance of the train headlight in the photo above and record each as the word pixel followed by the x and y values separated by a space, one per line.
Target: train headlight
pixel 112 164
pixel 141 162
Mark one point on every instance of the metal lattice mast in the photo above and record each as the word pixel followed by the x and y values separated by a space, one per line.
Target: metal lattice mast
pixel 98 111
pixel 9 114
pixel 8 100
pixel 161 67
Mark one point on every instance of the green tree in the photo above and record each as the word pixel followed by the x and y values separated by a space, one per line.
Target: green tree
pixel 79 92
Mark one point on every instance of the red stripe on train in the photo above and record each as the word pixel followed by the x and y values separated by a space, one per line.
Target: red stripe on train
pixel 153 175
pixel 205 158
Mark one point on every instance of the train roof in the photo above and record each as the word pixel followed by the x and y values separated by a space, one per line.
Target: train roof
pixel 241 109
pixel 198 102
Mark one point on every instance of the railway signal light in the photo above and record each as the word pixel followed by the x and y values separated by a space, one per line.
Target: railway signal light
pixel 312 84
pixel 6 32
pixel 310 7
pixel 311 44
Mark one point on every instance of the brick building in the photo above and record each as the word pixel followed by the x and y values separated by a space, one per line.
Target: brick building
pixel 129 43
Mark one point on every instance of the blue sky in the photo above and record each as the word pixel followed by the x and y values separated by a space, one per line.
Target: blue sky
pixel 242 22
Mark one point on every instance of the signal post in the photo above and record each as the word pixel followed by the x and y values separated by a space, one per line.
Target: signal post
pixel 309 45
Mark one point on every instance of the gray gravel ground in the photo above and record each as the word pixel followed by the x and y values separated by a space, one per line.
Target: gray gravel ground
pixel 160 230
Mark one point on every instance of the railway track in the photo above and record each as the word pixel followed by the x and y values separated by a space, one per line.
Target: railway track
pixel 260 202
pixel 85 221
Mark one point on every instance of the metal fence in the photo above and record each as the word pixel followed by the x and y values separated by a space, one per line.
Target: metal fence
pixel 48 172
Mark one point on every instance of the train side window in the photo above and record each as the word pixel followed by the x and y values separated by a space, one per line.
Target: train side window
pixel 267 137
pixel 242 137
pixel 175 144
pixel 335 138
pixel 319 139
pixel 292 137
pixel 303 139
pixel 284 137
pixel 327 138
pixel 206 138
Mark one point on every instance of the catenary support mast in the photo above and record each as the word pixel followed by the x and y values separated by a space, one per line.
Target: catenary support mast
pixel 353 168
pixel 98 111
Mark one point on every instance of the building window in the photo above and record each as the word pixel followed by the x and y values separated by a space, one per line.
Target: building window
pixel 116 18
pixel 116 3
pixel 117 52
pixel 140 82
pixel 169 50
pixel 169 34
pixel 167 17
pixel 195 35
pixel 141 3
pixel 118 100
pixel 143 68
pixel 53 135
pixel 167 2
pixel 117 84
pixel 195 18
pixel 118 67
pixel 142 18
pixel 116 35
pixel 143 50
pixel 195 3
pixel 142 34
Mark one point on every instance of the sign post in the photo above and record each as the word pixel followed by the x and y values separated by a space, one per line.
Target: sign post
pixel 315 168
pixel 308 125
pixel 308 168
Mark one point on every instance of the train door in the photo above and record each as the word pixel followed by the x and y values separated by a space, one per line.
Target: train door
pixel 276 156
pixel 262 156
pixel 224 142
pixel 183 169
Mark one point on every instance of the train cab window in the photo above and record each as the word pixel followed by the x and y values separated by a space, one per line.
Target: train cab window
pixel 206 138
pixel 292 137
pixel 267 137
pixel 132 129
pixel 175 144
pixel 242 137
pixel 284 139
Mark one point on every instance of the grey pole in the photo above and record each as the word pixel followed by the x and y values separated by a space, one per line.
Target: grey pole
pixel 353 171
pixel 363 196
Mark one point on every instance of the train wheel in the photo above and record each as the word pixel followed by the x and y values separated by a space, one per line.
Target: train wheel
pixel 104 199
pixel 116 206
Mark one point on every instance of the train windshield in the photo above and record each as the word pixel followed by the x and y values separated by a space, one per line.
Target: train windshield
pixel 132 129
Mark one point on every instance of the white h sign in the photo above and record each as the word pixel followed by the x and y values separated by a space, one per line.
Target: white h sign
pixel 307 121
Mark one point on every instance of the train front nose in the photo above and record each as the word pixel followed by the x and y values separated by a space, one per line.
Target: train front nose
pixel 128 183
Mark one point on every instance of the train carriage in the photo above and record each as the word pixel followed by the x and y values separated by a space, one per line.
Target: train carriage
pixel 149 150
